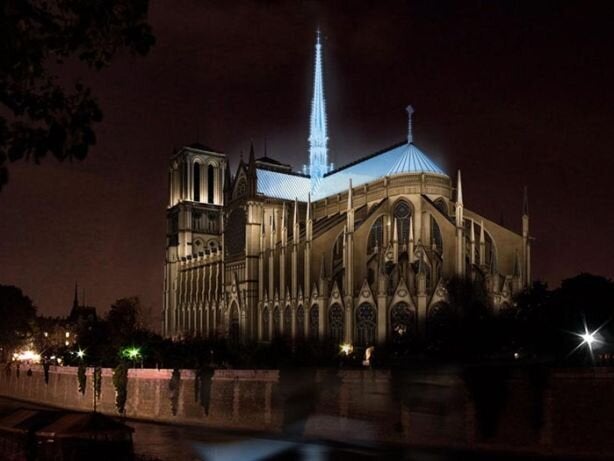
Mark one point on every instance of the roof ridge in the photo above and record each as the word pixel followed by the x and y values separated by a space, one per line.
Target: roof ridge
pixel 366 157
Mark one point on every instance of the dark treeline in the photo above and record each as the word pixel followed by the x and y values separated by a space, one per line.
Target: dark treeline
pixel 543 325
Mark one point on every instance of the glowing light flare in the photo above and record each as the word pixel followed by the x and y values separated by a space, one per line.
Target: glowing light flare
pixel 588 338
pixel 346 348
pixel 132 353
pixel 27 356
pixel 80 353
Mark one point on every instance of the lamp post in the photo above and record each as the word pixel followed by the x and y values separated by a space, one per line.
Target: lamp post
pixel 133 353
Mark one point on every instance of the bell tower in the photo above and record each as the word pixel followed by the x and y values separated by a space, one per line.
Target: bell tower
pixel 194 216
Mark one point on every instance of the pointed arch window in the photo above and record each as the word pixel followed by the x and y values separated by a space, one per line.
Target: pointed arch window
pixel 376 235
pixel 336 323
pixel 265 323
pixel 276 322
pixel 441 205
pixel 234 328
pixel 366 325
pixel 300 322
pixel 288 321
pixel 241 188
pixel 210 183
pixel 196 182
pixel 401 323
pixel 490 256
pixel 402 213
pixel 314 321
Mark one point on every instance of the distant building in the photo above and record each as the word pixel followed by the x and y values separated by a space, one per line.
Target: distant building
pixel 81 314
pixel 359 254
pixel 56 333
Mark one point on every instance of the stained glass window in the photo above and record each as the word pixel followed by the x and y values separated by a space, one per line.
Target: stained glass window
pixel 265 323
pixel 314 321
pixel 300 322
pixel 287 321
pixel 335 323
pixel 401 322
pixel 366 323
pixel 376 235
pixel 276 321
pixel 402 212
pixel 233 331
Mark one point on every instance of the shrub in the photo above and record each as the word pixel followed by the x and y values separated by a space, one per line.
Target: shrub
pixel 81 377
pixel 173 387
pixel 120 382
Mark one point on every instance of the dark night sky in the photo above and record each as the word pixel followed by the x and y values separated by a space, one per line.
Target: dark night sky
pixel 511 93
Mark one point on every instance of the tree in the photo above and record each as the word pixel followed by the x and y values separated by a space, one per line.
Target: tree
pixel 124 320
pixel 531 325
pixel 18 315
pixel 40 114
pixel 471 317
pixel 549 322
pixel 583 301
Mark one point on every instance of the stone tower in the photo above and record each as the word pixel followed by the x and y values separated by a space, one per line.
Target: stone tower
pixel 194 220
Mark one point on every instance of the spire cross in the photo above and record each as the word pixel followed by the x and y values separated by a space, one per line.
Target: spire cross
pixel 410 111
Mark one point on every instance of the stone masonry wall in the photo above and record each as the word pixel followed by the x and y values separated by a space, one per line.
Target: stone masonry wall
pixel 511 411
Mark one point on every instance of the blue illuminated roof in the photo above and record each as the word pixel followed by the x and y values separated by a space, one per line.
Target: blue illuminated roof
pixel 406 158
pixel 286 186
pixel 401 159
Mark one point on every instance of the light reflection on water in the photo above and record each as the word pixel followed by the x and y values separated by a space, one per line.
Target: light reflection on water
pixel 483 409
pixel 170 443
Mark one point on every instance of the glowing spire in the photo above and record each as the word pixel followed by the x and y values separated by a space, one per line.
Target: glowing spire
pixel 318 138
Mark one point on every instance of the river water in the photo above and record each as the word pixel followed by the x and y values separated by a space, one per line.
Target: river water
pixel 456 415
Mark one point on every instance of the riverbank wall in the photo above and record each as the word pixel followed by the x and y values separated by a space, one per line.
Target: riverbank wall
pixel 541 412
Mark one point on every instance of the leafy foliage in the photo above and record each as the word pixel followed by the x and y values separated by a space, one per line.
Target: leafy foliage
pixel 124 320
pixel 120 382
pixel 465 328
pixel 97 377
pixel 18 314
pixel 46 371
pixel 174 386
pixel 37 38
pixel 81 377
pixel 202 387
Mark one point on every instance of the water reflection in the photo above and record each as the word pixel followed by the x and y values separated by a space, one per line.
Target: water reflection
pixel 327 414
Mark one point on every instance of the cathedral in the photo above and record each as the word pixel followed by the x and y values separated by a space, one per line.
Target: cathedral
pixel 361 254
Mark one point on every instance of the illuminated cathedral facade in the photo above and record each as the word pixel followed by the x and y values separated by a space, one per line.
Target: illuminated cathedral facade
pixel 360 254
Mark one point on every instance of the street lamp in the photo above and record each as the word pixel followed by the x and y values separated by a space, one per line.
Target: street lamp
pixel 588 338
pixel 133 353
